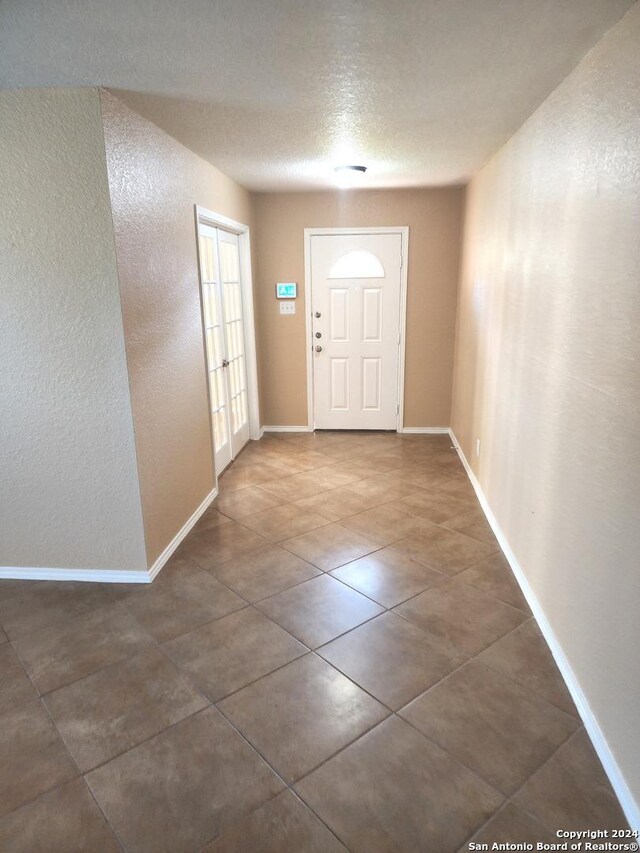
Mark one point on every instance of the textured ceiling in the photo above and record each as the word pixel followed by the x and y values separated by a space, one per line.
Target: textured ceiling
pixel 277 92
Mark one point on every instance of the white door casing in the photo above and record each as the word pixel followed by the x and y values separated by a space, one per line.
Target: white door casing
pixel 356 291
pixel 224 336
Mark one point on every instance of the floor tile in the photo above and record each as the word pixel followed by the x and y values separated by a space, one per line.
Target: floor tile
pixel 493 575
pixel 181 598
pixel 394 790
pixel 264 572
pixel 449 460
pixel 209 520
pixel 387 576
pixel 187 785
pixel 209 548
pixel 435 506
pixel 319 610
pixel 330 547
pixel 391 658
pixel 66 820
pixel 33 758
pixel 245 502
pixel 367 464
pixel 283 522
pixel 241 476
pixel 117 708
pixel 384 524
pixel 443 550
pixel 524 656
pixel 425 475
pixel 15 685
pixel 495 727
pixel 306 484
pixel 9 586
pixel 572 791
pixel 301 714
pixel 63 653
pixel 283 825
pixel 345 449
pixel 309 460
pixel 399 526
pixel 229 653
pixel 382 488
pixel 511 825
pixel 432 442
pixel 461 615
pixel 336 503
pixel 46 603
pixel 461 487
pixel 472 523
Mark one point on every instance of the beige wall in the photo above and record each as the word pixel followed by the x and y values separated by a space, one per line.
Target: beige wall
pixel 433 217
pixel 154 183
pixel 69 494
pixel 548 348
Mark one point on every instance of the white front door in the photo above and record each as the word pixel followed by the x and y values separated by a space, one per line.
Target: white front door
pixel 355 305
pixel 224 342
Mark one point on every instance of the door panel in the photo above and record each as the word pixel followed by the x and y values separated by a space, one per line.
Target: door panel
pixel 371 385
pixel 372 315
pixel 214 341
pixel 355 295
pixel 340 384
pixel 224 341
pixel 228 246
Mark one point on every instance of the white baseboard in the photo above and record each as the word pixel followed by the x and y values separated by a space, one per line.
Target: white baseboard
pixel 108 575
pixel 288 429
pixel 426 430
pixel 629 806
pixel 180 535
pixel 38 573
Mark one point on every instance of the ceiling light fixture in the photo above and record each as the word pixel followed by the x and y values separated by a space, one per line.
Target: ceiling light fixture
pixel 350 176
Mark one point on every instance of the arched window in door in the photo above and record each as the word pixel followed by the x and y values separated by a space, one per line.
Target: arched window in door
pixel 357 264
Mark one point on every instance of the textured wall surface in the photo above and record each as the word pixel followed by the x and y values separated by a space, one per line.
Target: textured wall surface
pixel 433 217
pixel 276 92
pixel 68 486
pixel 547 368
pixel 154 183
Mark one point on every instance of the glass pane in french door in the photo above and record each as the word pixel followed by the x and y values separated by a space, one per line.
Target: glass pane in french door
pixel 215 345
pixel 234 337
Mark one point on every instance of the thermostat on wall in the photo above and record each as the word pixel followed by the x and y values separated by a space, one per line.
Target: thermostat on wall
pixel 286 290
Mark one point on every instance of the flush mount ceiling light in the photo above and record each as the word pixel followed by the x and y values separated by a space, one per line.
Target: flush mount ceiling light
pixel 350 176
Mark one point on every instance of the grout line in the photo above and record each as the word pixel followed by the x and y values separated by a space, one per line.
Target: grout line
pixel 288 785
pixel 509 799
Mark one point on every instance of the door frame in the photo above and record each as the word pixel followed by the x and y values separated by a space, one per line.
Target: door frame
pixel 403 231
pixel 217 220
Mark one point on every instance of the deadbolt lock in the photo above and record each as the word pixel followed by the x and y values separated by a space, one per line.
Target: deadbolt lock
pixel 318 334
pixel 318 315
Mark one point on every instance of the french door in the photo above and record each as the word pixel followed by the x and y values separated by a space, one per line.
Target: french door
pixel 355 305
pixel 220 278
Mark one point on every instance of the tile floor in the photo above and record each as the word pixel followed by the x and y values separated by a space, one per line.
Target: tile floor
pixel 337 658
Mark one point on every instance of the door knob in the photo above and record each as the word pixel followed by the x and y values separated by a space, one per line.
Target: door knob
pixel 318 315
pixel 318 334
pixel 318 349
pixel 225 363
